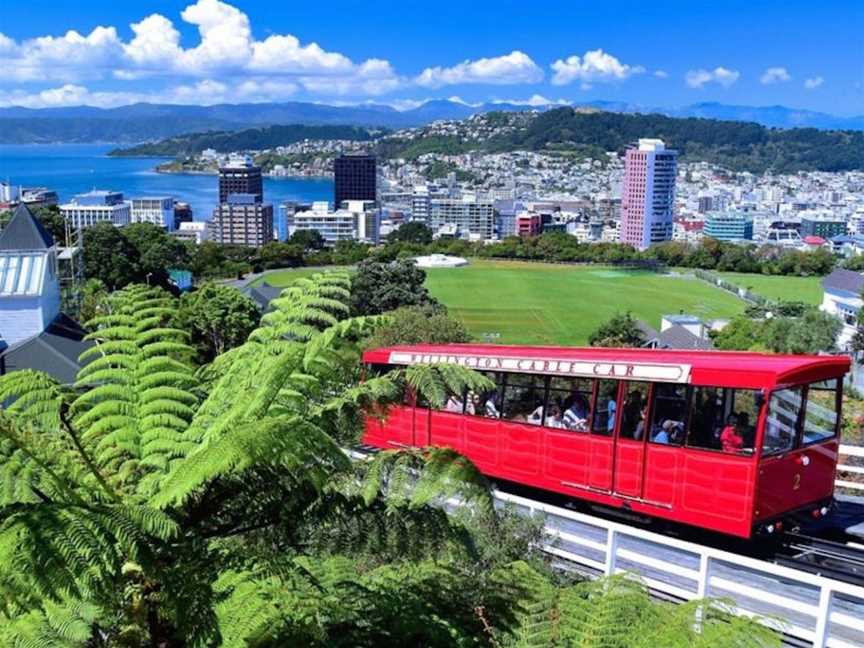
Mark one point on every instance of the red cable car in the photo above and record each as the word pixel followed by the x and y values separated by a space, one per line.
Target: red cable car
pixel 726 441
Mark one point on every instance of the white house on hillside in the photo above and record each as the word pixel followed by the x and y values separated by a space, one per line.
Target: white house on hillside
pixel 842 297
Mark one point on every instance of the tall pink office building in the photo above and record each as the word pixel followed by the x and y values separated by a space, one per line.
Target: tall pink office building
pixel 648 194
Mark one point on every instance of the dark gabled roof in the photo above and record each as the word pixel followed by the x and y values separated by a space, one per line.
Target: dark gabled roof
pixel 649 332
pixel 678 337
pixel 846 280
pixel 54 351
pixel 263 294
pixel 25 232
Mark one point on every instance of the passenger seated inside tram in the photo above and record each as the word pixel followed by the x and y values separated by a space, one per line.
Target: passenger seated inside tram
pixel 640 426
pixel 454 404
pixel 576 416
pixel 554 418
pixel 670 432
pixel 731 439
pixel 536 417
pixel 482 405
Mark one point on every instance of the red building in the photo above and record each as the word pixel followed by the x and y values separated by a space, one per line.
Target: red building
pixel 528 224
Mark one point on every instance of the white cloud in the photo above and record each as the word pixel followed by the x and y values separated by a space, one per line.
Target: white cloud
pixel 204 92
pixel 774 75
pixel 72 56
pixel 813 83
pixel 513 68
pixel 226 50
pixel 661 74
pixel 535 100
pixel 720 75
pixel 595 65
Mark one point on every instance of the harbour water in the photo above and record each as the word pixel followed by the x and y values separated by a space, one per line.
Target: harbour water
pixel 74 168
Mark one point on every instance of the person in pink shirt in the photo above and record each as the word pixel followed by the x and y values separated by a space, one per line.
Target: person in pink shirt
pixel 730 439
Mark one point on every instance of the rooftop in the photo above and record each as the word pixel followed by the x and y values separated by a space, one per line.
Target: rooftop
pixel 25 232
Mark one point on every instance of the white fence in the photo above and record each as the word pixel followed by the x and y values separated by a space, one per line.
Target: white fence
pixel 827 613
pixel 844 470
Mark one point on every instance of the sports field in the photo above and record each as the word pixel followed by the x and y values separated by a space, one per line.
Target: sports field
pixel 806 289
pixel 535 303
pixel 284 278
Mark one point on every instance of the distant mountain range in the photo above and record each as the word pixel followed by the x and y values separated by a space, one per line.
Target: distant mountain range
pixel 147 122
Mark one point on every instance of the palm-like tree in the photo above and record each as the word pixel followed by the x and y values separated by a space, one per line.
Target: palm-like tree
pixel 155 503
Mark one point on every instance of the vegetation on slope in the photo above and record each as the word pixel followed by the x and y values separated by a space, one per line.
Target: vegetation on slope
pixel 244 140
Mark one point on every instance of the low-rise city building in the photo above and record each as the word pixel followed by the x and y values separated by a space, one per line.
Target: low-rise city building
pixel 96 206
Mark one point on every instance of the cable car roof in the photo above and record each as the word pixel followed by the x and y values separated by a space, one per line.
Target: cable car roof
pixel 719 368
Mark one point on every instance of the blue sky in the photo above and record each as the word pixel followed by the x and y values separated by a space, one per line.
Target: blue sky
pixel 662 53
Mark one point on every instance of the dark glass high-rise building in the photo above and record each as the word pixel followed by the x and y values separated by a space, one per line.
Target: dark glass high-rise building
pixel 355 178
pixel 240 177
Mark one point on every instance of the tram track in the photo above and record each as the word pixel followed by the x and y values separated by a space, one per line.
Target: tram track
pixel 839 561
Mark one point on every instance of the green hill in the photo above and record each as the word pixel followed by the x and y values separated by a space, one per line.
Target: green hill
pixel 244 140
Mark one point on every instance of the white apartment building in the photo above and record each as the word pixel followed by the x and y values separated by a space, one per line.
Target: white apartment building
pixel 472 218
pixel 87 209
pixel 194 231
pixel 358 220
pixel 157 210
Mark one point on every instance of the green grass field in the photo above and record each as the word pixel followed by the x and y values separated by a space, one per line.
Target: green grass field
pixel 806 289
pixel 535 303
pixel 284 278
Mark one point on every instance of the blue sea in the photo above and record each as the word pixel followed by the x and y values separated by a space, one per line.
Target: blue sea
pixel 69 169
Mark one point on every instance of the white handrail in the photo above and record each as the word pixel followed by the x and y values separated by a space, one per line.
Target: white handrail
pixel 813 608
pixel 850 451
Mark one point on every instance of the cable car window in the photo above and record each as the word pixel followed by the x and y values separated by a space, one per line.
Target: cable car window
pixel 724 419
pixel 634 411
pixel 821 412
pixel 486 403
pixel 668 414
pixel 569 404
pixel 523 398
pixel 783 421
pixel 605 408
pixel 707 416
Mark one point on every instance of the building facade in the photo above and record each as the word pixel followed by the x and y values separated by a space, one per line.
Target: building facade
pixel 648 194
pixel 729 226
pixel 823 227
pixel 355 178
pixel 243 220
pixel 97 206
pixel 157 210
pixel 358 221
pixel 466 218
pixel 240 176
pixel 182 213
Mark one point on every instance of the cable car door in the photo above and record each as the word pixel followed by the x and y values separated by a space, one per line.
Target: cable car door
pixel 630 439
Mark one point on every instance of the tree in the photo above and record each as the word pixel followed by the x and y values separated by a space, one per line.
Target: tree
pixel 157 252
pixel 52 221
pixel 412 232
pixel 381 287
pixel 109 256
pixel 157 506
pixel 275 254
pixel 813 332
pixel 94 300
pixel 620 330
pixel 419 325
pixel 307 239
pixel 218 317
pixel 349 252
pixel 742 333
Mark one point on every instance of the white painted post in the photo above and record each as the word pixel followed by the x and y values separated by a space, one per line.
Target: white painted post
pixel 823 620
pixel 611 550
pixel 704 576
